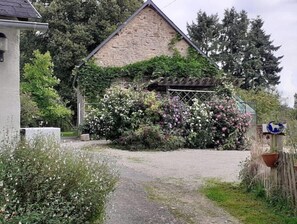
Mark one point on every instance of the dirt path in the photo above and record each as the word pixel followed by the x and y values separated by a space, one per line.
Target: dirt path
pixel 162 187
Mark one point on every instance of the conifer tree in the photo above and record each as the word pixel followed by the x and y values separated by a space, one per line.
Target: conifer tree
pixel 240 46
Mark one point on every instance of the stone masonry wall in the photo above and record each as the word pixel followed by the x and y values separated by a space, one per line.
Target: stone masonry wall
pixel 146 36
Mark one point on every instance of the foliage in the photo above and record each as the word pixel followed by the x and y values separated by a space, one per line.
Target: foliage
pixel 246 207
pixel 248 177
pixel 144 119
pixel 174 114
pixel 206 26
pixel 266 104
pixel 291 135
pixel 252 183
pixel 75 28
pixel 228 124
pixel 39 82
pixel 117 112
pixel 43 184
pixel 149 138
pixel 93 80
pixel 240 46
pixel 198 126
pixel 30 113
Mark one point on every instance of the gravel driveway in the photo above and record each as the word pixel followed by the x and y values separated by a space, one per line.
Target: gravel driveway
pixel 162 187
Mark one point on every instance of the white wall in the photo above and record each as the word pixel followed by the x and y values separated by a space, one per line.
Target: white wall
pixel 9 88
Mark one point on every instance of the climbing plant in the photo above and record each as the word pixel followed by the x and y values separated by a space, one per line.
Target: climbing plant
pixel 93 79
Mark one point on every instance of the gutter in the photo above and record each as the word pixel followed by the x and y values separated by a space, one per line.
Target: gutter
pixel 23 25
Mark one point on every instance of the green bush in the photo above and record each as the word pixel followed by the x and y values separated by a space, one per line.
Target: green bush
pixel 41 184
pixel 123 109
pixel 266 103
pixel 119 111
pixel 173 142
pixel 144 120
pixel 93 80
pixel 30 113
pixel 39 83
pixel 150 138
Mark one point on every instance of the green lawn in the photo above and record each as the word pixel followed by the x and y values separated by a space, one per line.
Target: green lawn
pixel 245 206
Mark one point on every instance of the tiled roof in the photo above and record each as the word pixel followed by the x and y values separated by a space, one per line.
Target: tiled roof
pixel 188 82
pixel 18 8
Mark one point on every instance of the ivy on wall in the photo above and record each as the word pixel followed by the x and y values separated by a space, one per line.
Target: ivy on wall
pixel 93 79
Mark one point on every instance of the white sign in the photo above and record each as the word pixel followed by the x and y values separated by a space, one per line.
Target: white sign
pixel 274 128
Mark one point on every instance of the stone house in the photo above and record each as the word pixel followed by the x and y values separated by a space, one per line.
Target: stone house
pixel 14 17
pixel 146 34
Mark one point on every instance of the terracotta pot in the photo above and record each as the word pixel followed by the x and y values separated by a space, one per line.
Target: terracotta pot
pixel 270 159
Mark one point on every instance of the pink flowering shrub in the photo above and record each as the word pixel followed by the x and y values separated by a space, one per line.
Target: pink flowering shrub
pixel 174 114
pixel 228 124
pixel 129 117
pixel 126 116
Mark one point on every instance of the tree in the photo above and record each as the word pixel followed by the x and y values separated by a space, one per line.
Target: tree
pixel 260 66
pixel 233 41
pixel 240 46
pixel 76 27
pixel 267 104
pixel 38 84
pixel 205 33
pixel 30 114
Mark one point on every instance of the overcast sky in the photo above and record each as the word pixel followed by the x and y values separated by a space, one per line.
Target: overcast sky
pixel 280 21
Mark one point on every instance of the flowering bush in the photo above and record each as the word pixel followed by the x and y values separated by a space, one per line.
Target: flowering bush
pixel 228 124
pixel 198 126
pixel 146 120
pixel 145 137
pixel 42 184
pixel 120 110
pixel 174 114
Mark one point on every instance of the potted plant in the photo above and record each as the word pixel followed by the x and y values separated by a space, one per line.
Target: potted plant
pixel 275 130
pixel 270 158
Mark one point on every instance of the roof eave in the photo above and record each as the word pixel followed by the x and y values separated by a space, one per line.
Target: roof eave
pixel 147 3
pixel 23 25
pixel 114 33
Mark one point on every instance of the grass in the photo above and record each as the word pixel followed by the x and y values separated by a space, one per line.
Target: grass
pixel 245 206
pixel 69 134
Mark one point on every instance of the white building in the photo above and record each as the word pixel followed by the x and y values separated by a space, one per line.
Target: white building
pixel 14 16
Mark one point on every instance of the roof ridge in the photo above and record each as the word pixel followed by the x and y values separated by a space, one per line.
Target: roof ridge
pixel 162 14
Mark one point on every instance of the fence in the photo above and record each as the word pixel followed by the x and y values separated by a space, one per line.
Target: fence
pixel 286 177
pixel 282 179
pixel 187 96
